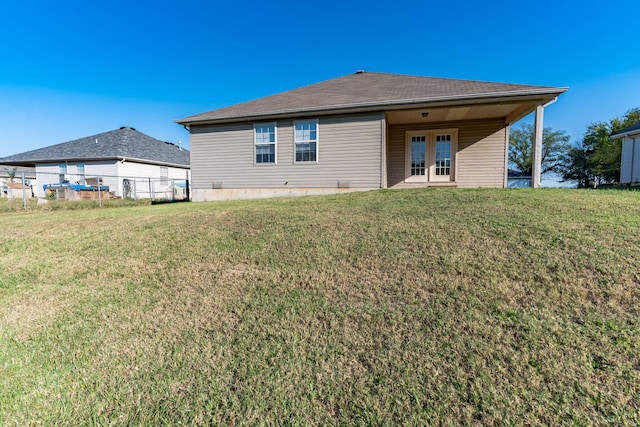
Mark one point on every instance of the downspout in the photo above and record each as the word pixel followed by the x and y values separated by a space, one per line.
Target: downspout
pixel 633 158
pixel 383 152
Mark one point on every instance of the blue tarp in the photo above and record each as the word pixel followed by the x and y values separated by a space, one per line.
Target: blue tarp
pixel 76 187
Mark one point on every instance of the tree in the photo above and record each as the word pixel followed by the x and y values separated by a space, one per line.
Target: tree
pixel 604 162
pixel 575 167
pixel 11 174
pixel 555 144
pixel 596 159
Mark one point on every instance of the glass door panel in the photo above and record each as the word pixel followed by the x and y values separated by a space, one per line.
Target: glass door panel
pixel 442 157
pixel 418 155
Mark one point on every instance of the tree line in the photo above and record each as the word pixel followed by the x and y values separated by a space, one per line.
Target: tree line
pixel 592 161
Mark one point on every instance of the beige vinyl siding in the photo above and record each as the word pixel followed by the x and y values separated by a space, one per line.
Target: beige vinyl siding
pixel 481 154
pixel 349 148
pixel 480 157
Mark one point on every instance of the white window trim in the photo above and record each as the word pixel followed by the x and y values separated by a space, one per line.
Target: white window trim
pixel 430 175
pixel 317 141
pixel 275 143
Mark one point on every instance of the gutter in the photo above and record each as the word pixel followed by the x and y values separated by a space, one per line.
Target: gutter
pixel 151 162
pixel 117 158
pixel 625 134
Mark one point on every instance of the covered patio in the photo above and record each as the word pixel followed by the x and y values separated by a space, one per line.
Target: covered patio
pixel 461 143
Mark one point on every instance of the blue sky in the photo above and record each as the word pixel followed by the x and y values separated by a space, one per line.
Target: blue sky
pixel 74 69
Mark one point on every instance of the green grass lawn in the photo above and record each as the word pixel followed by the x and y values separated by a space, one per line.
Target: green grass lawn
pixel 410 307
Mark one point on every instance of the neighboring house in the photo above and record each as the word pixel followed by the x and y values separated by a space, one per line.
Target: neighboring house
pixel 630 159
pixel 361 131
pixel 118 158
pixel 517 179
pixel 11 186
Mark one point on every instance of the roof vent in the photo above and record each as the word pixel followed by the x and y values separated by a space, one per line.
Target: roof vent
pixel 360 72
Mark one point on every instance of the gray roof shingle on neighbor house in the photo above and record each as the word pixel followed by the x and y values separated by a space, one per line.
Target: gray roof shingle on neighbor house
pixel 123 143
pixel 629 129
pixel 366 89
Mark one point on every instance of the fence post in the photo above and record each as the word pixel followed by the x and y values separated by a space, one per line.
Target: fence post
pixel 99 194
pixel 24 193
pixel 188 195
pixel 150 194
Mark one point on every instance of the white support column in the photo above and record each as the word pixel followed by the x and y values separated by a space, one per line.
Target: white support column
pixel 505 184
pixel 537 147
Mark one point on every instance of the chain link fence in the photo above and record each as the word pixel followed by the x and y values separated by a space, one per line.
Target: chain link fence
pixel 63 187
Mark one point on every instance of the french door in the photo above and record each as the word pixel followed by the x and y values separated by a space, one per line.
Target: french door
pixel 430 155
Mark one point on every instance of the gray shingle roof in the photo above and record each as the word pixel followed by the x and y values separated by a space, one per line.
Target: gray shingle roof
pixel 365 89
pixel 629 129
pixel 121 143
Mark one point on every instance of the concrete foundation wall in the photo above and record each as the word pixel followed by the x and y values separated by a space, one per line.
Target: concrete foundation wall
pixel 209 195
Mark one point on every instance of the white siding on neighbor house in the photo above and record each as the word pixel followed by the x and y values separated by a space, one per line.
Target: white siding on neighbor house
pixel 480 157
pixel 112 173
pixel 635 163
pixel 626 160
pixel 141 173
pixel 107 170
pixel 630 161
pixel 349 149
pixel 48 173
pixel 142 170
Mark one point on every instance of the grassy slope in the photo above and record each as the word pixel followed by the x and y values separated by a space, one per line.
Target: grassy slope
pixel 388 307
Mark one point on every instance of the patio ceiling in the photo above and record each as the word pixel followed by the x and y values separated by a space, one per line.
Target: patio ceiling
pixel 510 111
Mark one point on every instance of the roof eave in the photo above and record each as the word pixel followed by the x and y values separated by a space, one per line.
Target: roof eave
pixel 625 134
pixel 155 162
pixel 543 94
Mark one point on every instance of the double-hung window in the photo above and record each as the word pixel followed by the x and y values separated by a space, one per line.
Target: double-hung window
pixel 62 174
pixel 80 170
pixel 306 140
pixel 265 142
pixel 164 175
